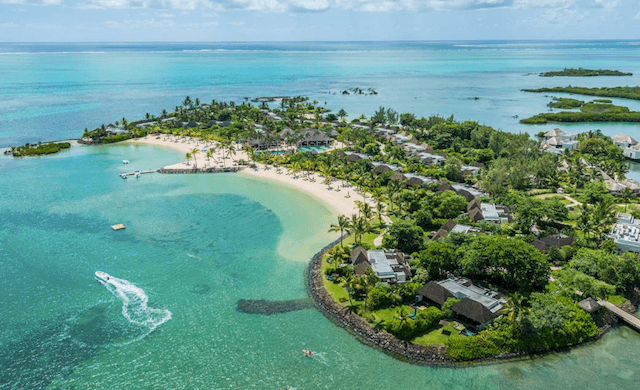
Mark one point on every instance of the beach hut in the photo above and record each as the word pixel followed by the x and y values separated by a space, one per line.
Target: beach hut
pixel 589 305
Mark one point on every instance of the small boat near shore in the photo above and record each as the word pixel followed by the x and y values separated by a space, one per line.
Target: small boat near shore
pixel 308 353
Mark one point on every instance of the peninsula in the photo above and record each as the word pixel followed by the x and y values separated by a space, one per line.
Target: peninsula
pixel 457 240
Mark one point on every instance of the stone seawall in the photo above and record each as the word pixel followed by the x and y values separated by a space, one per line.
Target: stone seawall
pixel 391 345
pixel 364 332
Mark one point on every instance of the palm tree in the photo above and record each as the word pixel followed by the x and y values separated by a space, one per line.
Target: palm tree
pixel 380 211
pixel 231 151
pixel 341 226
pixel 626 195
pixel 194 152
pixel 365 210
pixel 187 102
pixel 188 157
pixel 359 226
pixel 209 155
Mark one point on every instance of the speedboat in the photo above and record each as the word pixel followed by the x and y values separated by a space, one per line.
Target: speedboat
pixel 308 353
pixel 103 276
pixel 125 161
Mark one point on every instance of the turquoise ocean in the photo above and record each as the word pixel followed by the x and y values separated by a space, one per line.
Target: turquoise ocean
pixel 196 244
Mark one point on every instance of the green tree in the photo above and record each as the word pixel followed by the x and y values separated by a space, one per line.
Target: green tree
pixel 341 226
pixel 403 235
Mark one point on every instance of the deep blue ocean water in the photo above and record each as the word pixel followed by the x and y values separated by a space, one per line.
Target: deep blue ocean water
pixel 196 244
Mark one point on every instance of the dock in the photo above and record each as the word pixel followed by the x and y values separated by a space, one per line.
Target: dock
pixel 119 226
pixel 123 175
pixel 629 319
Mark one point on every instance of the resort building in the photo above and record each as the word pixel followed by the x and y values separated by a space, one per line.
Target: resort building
pixel 560 134
pixel 632 152
pixel 430 159
pixel 559 145
pixel 353 156
pixel 558 240
pixel 412 179
pixel 626 233
pixel 478 306
pixel 624 141
pixel 451 227
pixel 310 137
pixel 489 212
pixel 470 193
pixel 390 266
pixel 379 167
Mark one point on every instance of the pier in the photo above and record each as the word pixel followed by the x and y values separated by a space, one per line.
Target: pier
pixel 629 319
pixel 138 172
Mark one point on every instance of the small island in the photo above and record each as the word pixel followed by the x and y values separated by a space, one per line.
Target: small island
pixel 595 111
pixel 614 92
pixel 581 72
pixel 38 149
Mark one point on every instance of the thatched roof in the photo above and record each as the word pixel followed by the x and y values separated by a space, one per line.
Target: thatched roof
pixel 475 311
pixel 476 215
pixel 474 204
pixel 398 176
pixel 361 268
pixel 359 255
pixel 467 195
pixel 558 240
pixel 444 186
pixel 589 305
pixel 435 292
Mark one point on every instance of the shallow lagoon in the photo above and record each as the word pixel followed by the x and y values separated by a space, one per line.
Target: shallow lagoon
pixel 195 245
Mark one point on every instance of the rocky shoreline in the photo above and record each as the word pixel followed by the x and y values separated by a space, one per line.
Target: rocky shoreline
pixel 401 349
pixel 364 332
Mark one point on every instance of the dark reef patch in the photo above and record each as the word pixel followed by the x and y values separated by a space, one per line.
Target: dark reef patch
pixel 261 306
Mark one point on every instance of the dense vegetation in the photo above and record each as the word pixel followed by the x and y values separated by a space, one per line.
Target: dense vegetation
pixel 589 112
pixel 540 314
pixel 580 72
pixel 619 92
pixel 565 103
pixel 38 149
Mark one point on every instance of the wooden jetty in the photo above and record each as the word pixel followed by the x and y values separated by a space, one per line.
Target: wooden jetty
pixel 123 175
pixel 629 319
pixel 178 169
pixel 119 226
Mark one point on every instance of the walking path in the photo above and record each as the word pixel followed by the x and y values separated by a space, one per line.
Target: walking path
pixel 629 319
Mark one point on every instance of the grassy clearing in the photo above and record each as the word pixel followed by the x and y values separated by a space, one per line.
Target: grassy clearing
pixel 435 336
pixel 616 299
pixel 561 198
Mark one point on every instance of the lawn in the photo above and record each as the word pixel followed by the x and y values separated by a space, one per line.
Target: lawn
pixel 435 336
pixel 616 299
pixel 561 198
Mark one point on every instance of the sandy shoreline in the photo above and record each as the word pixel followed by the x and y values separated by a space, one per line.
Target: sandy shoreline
pixel 341 200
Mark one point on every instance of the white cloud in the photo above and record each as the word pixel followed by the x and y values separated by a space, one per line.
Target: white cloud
pixel 159 4
pixel 31 2
pixel 8 25
pixel 323 5
pixel 637 17
pixel 148 24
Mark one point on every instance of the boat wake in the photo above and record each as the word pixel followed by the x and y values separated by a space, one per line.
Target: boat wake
pixel 134 306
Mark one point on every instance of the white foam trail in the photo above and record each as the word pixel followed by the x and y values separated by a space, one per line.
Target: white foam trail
pixel 134 305
pixel 194 256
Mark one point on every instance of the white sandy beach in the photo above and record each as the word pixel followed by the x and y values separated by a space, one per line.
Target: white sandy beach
pixel 336 197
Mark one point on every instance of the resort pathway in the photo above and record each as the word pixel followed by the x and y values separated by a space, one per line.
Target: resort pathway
pixel 573 203
pixel 629 319
pixel 378 240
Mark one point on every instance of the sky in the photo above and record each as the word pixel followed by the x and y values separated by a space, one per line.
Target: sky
pixel 315 20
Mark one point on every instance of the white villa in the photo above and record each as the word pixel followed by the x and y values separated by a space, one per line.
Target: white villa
pixel 626 233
